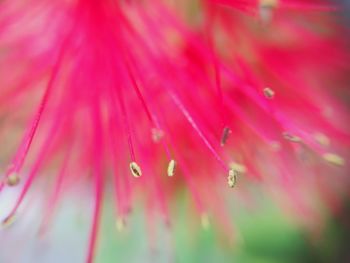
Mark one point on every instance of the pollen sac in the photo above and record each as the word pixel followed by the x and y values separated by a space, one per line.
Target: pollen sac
pixel 232 178
pixel 205 221
pixel 135 169
pixel 291 138
pixel 322 139
pixel 120 224
pixel 171 168
pixel 269 93
pixel 12 179
pixel 157 134
pixel 225 134
pixel 8 221
pixel 334 159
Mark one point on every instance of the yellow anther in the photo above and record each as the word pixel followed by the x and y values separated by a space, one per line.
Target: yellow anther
pixel 171 168
pixel 232 178
pixel 205 221
pixel 135 169
pixel 8 221
pixel 334 159
pixel 157 134
pixel 322 139
pixel 269 93
pixel 291 138
pixel 268 3
pixel 12 179
pixel 225 134
pixel 120 224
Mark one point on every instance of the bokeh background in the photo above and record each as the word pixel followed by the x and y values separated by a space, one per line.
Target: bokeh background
pixel 263 234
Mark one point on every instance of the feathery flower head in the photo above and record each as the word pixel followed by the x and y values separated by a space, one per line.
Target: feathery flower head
pixel 153 96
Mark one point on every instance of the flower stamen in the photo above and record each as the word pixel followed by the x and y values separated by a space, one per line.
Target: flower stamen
pixel 135 169
pixel 12 179
pixel 120 224
pixel 205 223
pixel 269 93
pixel 171 168
pixel 334 159
pixel 291 138
pixel 232 177
pixel 8 221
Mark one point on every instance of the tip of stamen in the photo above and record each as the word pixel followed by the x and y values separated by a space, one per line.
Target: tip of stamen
pixel 8 221
pixel 268 3
pixel 205 221
pixel 135 169
pixel 157 134
pixel 225 134
pixel 322 139
pixel 12 179
pixel 334 159
pixel 171 168
pixel 232 177
pixel 291 138
pixel 120 224
pixel 269 93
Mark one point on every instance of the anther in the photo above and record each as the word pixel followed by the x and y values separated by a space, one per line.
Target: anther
pixel 268 3
pixel 8 221
pixel 12 179
pixel 205 221
pixel 269 93
pixel 225 134
pixel 322 139
pixel 120 224
pixel 232 178
pixel 334 159
pixel 157 134
pixel 171 168
pixel 135 169
pixel 291 138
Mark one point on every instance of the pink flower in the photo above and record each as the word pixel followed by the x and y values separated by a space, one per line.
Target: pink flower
pixel 151 97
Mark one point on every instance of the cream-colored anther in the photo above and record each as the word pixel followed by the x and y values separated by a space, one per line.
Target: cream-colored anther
pixel 135 169
pixel 171 168
pixel 291 138
pixel 120 224
pixel 269 93
pixel 157 134
pixel 334 159
pixel 205 223
pixel 12 179
pixel 8 221
pixel 232 178
pixel 268 3
pixel 322 139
